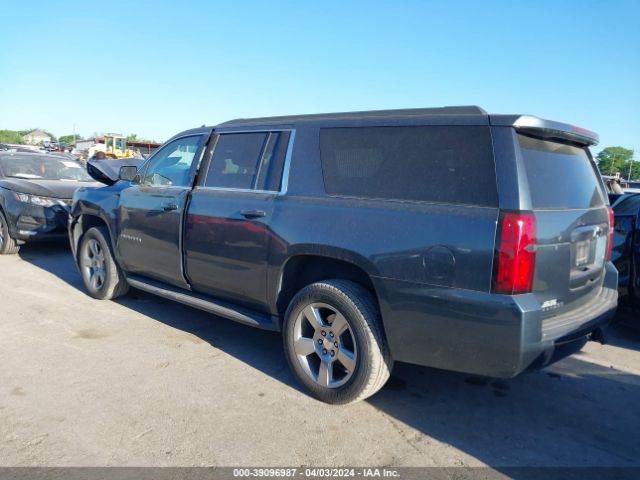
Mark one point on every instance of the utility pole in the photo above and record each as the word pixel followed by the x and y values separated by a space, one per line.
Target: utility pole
pixel 630 165
pixel 74 134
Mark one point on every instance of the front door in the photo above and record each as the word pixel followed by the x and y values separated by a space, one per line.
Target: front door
pixel 151 212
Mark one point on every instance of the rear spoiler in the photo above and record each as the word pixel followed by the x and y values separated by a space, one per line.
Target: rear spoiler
pixel 547 129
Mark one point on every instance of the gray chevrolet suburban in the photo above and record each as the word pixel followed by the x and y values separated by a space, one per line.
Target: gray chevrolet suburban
pixel 443 237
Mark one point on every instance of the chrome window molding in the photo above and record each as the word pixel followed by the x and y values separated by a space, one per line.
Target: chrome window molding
pixel 243 190
pixel 284 181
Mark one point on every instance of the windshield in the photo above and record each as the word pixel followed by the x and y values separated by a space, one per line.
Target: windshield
pixel 43 167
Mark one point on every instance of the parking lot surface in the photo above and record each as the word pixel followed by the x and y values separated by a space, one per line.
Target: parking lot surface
pixel 143 381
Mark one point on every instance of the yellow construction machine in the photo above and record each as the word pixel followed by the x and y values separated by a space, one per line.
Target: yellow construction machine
pixel 114 146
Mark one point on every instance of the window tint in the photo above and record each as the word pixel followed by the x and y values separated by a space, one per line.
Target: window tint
pixel 560 176
pixel 249 161
pixel 171 166
pixel 627 206
pixel 435 164
pixel 273 161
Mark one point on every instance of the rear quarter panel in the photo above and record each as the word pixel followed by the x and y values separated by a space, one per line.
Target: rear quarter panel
pixel 432 250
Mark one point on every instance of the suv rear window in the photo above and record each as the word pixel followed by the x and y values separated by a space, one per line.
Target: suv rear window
pixel 560 176
pixel 434 164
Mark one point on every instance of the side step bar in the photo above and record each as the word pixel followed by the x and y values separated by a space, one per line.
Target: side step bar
pixel 202 302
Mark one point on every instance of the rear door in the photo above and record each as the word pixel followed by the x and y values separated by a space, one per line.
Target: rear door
pixel 570 207
pixel 227 237
pixel 151 212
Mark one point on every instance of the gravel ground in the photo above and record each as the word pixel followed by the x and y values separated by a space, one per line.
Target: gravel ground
pixel 144 381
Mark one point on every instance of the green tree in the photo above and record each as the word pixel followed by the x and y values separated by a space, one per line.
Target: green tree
pixel 68 139
pixel 133 137
pixel 631 170
pixel 10 136
pixel 612 160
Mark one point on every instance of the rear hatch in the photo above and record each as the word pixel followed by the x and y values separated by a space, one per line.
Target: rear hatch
pixel 570 208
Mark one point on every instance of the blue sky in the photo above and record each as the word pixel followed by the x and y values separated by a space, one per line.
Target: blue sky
pixel 159 67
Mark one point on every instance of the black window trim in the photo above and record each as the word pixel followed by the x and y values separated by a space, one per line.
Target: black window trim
pixel 284 183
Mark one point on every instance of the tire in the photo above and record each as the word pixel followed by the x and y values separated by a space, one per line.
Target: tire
pixel 8 245
pixel 316 353
pixel 100 273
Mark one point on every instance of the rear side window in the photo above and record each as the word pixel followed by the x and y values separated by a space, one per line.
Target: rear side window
pixel 248 161
pixel 560 176
pixel 432 164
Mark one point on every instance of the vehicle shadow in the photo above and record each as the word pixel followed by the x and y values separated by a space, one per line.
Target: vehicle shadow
pixel 253 346
pixel 624 332
pixel 575 413
pixel 54 257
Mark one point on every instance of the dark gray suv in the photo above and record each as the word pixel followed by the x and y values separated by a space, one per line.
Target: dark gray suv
pixel 444 237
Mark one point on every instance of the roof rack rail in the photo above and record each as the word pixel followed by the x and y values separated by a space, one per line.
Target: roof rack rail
pixel 448 110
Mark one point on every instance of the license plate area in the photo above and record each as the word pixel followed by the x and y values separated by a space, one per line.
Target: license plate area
pixel 589 253
pixel 582 253
pixel 588 247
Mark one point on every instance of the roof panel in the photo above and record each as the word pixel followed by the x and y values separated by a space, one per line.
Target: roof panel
pixel 358 116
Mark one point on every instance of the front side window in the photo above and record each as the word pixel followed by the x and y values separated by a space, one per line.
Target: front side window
pixel 171 166
pixel 248 161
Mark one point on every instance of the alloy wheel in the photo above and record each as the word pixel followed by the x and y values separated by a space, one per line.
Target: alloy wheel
pixel 93 263
pixel 324 345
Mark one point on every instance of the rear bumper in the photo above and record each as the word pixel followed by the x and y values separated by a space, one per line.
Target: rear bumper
pixel 482 333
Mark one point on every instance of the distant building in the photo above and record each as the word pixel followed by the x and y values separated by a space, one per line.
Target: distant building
pixel 85 144
pixel 36 137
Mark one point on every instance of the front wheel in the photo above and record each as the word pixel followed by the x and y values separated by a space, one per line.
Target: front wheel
pixel 8 244
pixel 101 275
pixel 334 342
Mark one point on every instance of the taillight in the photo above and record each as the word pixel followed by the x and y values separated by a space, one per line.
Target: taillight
pixel 515 256
pixel 611 225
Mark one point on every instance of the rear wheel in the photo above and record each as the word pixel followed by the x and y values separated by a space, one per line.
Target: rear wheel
pixel 101 275
pixel 334 342
pixel 8 244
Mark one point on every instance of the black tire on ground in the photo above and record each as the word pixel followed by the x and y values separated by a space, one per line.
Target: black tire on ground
pixel 8 245
pixel 110 282
pixel 373 362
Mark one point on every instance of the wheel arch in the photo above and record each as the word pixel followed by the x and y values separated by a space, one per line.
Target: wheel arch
pixel 82 224
pixel 303 269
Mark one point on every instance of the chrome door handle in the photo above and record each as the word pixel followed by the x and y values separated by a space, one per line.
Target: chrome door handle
pixel 253 213
pixel 168 207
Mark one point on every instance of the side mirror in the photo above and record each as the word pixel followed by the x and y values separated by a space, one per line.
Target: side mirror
pixel 128 173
